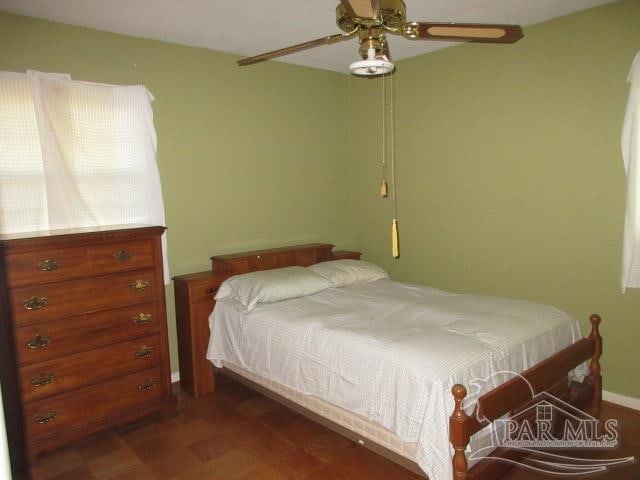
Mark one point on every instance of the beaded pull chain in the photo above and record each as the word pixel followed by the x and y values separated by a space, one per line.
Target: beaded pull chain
pixel 384 190
pixel 395 239
pixel 383 187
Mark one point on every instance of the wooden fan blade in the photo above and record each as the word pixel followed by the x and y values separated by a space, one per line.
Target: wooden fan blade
pixel 362 8
pixel 469 32
pixel 296 48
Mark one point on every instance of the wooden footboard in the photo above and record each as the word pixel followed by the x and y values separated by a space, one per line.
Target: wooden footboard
pixel 550 375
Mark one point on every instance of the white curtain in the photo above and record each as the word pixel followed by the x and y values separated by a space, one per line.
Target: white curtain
pixel 630 142
pixel 76 154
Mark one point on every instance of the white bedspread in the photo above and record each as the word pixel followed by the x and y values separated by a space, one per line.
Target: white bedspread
pixel 391 351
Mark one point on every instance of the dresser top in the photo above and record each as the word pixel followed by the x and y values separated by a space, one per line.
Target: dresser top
pixel 48 237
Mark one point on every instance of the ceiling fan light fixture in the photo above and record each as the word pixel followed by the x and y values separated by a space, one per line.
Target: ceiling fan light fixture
pixel 371 67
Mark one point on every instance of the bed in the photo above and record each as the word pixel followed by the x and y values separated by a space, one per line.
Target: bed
pixel 347 367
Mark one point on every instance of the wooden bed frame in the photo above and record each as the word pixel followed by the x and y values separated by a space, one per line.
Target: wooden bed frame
pixel 194 302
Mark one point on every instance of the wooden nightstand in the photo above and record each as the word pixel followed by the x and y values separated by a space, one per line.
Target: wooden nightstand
pixel 194 294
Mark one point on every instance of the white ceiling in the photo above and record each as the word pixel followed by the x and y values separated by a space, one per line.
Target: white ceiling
pixel 250 27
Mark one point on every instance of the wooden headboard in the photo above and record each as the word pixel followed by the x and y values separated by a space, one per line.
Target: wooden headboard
pixel 195 292
pixel 297 255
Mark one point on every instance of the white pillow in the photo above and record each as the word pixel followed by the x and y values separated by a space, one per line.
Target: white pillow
pixel 347 272
pixel 268 286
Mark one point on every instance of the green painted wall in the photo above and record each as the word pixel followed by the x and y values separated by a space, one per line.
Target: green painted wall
pixel 511 180
pixel 249 158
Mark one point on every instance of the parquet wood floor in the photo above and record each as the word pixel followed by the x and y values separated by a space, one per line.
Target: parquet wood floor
pixel 237 434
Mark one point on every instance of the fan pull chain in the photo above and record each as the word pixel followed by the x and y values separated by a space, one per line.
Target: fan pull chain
pixel 395 248
pixel 383 187
pixel 395 239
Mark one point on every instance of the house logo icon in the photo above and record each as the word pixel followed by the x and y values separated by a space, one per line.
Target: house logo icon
pixel 546 426
pixel 552 423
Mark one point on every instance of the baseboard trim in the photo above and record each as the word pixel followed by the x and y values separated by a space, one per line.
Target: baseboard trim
pixel 625 401
pixel 175 377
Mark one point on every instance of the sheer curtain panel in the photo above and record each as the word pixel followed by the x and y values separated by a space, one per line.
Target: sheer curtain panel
pixel 630 143
pixel 76 154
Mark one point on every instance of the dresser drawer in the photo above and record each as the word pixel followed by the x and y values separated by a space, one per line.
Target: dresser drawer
pixel 117 257
pixel 29 268
pixel 74 409
pixel 85 368
pixel 45 266
pixel 43 341
pixel 42 303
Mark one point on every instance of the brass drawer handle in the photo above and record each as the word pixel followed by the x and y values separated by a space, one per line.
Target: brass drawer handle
pixel 42 379
pixel 139 285
pixel 39 341
pixel 48 265
pixel 45 417
pixel 121 256
pixel 144 352
pixel 141 319
pixel 35 303
pixel 147 385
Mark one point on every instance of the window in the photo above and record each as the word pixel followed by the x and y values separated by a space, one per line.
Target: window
pixel 544 413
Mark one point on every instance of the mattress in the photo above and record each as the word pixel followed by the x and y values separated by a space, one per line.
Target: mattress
pixel 390 352
pixel 356 423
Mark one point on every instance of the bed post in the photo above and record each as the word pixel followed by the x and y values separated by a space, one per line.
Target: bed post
pixel 458 433
pixel 595 378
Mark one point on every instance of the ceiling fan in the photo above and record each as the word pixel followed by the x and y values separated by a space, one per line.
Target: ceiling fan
pixel 370 20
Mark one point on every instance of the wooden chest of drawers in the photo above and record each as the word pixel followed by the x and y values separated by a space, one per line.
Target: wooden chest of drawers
pixel 84 335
